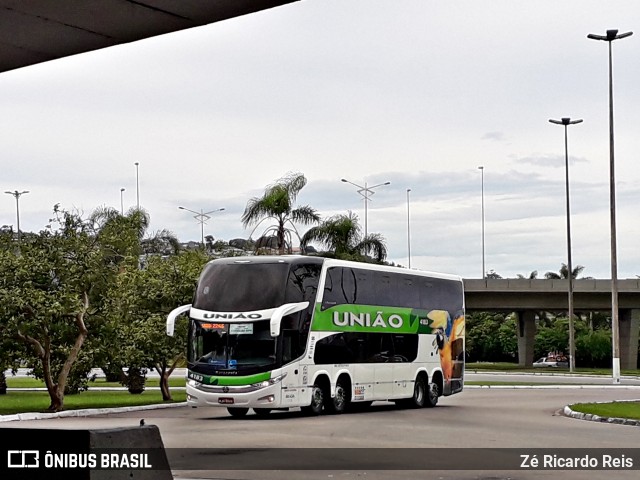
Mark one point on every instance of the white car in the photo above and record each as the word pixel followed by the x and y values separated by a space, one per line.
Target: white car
pixel 559 361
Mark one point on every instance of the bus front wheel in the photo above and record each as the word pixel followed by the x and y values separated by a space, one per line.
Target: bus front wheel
pixel 262 412
pixel 237 411
pixel 317 402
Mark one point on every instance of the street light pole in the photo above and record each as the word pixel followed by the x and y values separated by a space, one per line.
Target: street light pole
pixel 366 193
pixel 408 230
pixel 121 202
pixel 137 186
pixel 484 271
pixel 572 345
pixel 202 218
pixel 17 195
pixel 610 36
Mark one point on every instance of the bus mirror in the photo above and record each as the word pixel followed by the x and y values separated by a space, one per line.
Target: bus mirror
pixel 171 318
pixel 282 311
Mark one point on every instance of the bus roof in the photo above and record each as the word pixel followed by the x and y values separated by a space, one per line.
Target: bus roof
pixel 330 262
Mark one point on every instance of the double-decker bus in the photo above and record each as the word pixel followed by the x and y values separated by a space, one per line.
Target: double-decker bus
pixel 320 334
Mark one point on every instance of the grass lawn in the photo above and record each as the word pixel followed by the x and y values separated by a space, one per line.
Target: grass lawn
pixel 30 382
pixel 614 409
pixel 29 401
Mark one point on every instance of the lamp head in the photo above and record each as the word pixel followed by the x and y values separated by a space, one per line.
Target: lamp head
pixel 611 34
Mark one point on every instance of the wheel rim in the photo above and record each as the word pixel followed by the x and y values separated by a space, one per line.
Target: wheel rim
pixel 419 392
pixel 317 398
pixel 340 397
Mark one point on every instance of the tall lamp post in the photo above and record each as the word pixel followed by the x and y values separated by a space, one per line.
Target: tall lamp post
pixel 17 195
pixel 572 346
pixel 137 186
pixel 366 193
pixel 408 229
pixel 202 218
pixel 610 36
pixel 484 270
pixel 121 202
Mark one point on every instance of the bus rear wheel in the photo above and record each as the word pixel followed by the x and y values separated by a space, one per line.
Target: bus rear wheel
pixel 237 411
pixel 433 392
pixel 419 397
pixel 317 402
pixel 340 401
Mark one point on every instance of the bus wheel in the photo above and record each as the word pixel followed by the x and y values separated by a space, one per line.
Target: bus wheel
pixel 262 412
pixel 419 397
pixel 317 402
pixel 433 392
pixel 237 411
pixel 340 402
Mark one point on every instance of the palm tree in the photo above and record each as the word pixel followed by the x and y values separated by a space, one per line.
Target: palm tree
pixel 564 273
pixel 276 204
pixel 532 276
pixel 342 236
pixel 127 234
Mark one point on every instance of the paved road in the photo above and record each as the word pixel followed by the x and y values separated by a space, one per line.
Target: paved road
pixel 489 418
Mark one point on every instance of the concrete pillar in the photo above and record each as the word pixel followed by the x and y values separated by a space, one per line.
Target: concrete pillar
pixel 525 331
pixel 629 327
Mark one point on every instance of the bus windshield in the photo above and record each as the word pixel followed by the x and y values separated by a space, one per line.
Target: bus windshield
pixel 232 346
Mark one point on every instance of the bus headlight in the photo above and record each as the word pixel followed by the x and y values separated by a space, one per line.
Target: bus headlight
pixel 271 381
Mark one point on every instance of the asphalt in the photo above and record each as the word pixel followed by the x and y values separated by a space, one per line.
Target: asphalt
pixel 182 372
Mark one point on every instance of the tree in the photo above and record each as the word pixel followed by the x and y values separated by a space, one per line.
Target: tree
pixel 532 276
pixel 342 236
pixel 276 204
pixel 49 290
pixel 491 336
pixel 137 308
pixel 564 273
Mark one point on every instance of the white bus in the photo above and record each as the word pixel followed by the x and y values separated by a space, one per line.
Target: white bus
pixel 281 332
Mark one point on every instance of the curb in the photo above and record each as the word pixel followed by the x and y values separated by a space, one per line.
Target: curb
pixel 567 411
pixel 85 412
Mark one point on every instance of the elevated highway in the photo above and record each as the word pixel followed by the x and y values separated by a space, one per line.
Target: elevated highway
pixel 526 297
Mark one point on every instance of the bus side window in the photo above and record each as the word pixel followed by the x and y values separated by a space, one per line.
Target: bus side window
pixel 405 347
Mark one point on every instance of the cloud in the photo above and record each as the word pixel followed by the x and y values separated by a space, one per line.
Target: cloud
pixel 495 136
pixel 547 160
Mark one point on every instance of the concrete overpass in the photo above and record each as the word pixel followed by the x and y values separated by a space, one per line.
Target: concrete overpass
pixel 526 297
pixel 34 31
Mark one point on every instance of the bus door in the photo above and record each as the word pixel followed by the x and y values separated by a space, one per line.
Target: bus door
pixel 405 351
pixel 381 355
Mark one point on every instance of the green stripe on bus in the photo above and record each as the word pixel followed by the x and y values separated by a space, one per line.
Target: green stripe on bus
pixel 370 318
pixel 235 381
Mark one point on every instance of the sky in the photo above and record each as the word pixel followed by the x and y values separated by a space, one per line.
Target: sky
pixel 418 93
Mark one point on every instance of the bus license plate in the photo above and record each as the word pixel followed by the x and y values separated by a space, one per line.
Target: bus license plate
pixel 225 401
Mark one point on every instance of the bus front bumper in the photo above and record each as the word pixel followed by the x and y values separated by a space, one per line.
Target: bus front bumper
pixel 199 395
